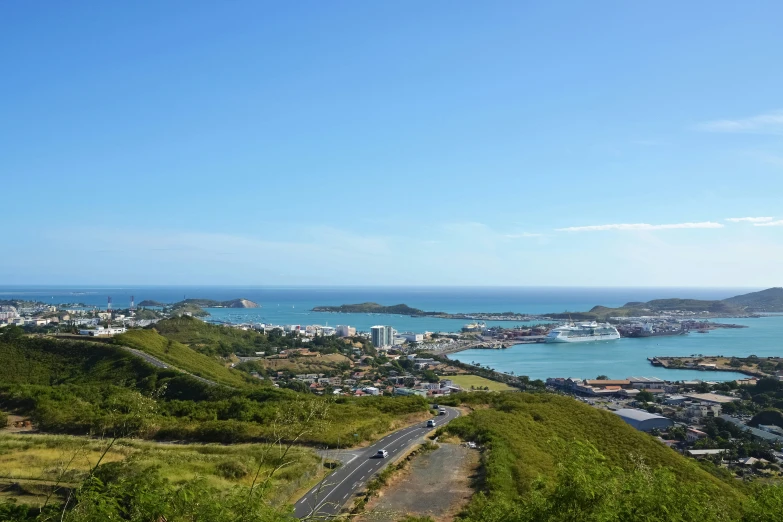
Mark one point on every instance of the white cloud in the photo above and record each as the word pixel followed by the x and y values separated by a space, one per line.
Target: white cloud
pixel 750 219
pixel 769 123
pixel 778 223
pixel 640 226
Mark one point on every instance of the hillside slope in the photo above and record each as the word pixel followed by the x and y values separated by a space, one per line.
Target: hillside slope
pixel 529 435
pixel 181 356
pixel 41 361
pixel 769 300
pixel 211 339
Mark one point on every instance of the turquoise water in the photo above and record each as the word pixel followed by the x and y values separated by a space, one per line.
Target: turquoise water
pixel 617 359
pixel 291 305
pixel 628 357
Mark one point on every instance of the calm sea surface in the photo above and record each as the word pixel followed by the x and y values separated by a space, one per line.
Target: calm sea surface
pixel 617 359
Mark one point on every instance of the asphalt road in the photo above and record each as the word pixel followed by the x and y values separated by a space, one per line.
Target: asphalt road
pixel 328 496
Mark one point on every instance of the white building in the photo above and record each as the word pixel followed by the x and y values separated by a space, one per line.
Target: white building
pixel 413 337
pixel 103 332
pixel 382 336
pixel 371 390
pixel 8 312
pixel 345 331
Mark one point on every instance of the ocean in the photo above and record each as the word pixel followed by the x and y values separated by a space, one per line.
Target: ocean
pixel 617 359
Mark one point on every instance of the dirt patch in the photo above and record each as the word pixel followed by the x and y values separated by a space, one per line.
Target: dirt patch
pixel 436 484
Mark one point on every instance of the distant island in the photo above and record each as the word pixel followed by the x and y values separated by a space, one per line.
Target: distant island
pixel 374 308
pixel 195 307
pixel 746 305
pixel 149 302
pixel 403 309
pixel 205 303
pixel 211 303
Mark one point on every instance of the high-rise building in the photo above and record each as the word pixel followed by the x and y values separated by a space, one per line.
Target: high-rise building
pixel 382 336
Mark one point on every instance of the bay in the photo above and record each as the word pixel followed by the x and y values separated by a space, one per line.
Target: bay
pixel 628 357
pixel 617 359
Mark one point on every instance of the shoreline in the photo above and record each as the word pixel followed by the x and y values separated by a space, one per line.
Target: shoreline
pixel 664 362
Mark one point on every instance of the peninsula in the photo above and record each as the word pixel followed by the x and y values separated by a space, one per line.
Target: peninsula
pixel 403 309
pixel 205 303
pixel 746 305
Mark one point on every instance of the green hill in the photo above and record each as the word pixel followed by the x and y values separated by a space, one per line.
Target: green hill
pixel 212 339
pixel 769 300
pixel 635 308
pixel 530 438
pixel 42 361
pixel 373 308
pixel 183 357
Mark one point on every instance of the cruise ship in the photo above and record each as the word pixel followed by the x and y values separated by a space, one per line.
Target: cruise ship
pixel 583 332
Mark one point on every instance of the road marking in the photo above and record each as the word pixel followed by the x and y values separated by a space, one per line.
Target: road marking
pixel 358 467
pixel 362 477
pixel 346 496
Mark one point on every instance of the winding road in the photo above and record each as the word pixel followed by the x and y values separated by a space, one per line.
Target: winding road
pixel 328 496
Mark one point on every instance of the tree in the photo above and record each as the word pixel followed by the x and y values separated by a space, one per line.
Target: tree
pixel 602 378
pixel 645 396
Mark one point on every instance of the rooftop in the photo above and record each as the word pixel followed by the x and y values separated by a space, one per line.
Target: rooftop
pixel 639 415
pixel 646 379
pixel 711 397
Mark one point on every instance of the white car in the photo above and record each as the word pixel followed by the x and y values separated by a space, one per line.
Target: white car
pixel 442 411
pixel 382 454
pixel 430 423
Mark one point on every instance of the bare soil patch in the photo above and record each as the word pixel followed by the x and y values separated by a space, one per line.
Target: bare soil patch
pixel 436 484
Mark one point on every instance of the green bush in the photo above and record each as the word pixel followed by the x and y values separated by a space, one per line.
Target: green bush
pixel 231 469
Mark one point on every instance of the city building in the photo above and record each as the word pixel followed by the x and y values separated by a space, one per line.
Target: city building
pixel 712 398
pixel 103 332
pixel 692 434
pixel 699 411
pixel 413 337
pixel 8 312
pixel 643 421
pixel 382 336
pixel 345 331
pixel 647 383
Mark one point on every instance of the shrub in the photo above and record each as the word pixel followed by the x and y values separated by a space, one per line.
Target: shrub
pixel 231 469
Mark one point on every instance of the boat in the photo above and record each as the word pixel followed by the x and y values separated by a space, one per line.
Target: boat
pixel 474 327
pixel 583 332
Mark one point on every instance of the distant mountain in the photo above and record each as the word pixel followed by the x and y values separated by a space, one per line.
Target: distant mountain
pixel 636 309
pixel 769 300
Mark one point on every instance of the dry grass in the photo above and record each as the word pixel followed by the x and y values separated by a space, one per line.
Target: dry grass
pixel 49 458
pixel 307 364
pixel 466 381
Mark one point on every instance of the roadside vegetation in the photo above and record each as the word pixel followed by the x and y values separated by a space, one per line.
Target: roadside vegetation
pixel 38 462
pixel 88 388
pixel 551 458
pixel 180 356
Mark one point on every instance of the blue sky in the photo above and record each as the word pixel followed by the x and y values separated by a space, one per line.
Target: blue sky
pixel 437 143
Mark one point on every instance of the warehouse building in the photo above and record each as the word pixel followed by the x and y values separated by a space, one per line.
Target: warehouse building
pixel 643 421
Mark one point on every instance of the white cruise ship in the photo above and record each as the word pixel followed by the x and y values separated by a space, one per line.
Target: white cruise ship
pixel 583 332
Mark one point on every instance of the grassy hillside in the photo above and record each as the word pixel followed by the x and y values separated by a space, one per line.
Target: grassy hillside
pixel 212 339
pixel 634 309
pixel 81 388
pixel 47 362
pixel 769 300
pixel 531 438
pixel 183 357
